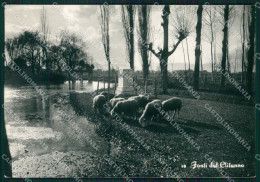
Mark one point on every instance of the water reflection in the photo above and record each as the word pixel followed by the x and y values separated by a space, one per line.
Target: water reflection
pixel 77 85
pixel 35 108
pixel 11 92
pixel 43 130
pixel 46 109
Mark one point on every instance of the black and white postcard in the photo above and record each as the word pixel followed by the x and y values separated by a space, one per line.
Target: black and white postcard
pixel 129 91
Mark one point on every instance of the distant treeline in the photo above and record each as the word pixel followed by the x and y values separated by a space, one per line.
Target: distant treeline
pixel 46 61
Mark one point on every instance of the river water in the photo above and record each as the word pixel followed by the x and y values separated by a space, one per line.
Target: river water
pixel 38 131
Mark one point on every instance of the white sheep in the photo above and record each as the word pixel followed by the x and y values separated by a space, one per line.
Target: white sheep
pixel 152 110
pixel 126 107
pixel 114 101
pixel 141 99
pixel 172 104
pixel 99 102
pixel 107 95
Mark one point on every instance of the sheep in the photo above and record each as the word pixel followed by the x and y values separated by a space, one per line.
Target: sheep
pixel 126 107
pixel 152 109
pixel 107 95
pixel 141 99
pixel 114 101
pixel 99 102
pixel 172 104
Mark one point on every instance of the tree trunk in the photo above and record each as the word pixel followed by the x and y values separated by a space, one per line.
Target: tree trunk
pixel 6 154
pixel 145 66
pixel 235 67
pixel 109 69
pixel 188 54
pixel 108 55
pixel 131 23
pixel 109 66
pixel 104 16
pixel 144 35
pixel 33 70
pixel 164 56
pixel 228 61
pixel 184 56
pixel 70 65
pixel 250 55
pixel 211 45
pixel 212 62
pixel 201 65
pixel 104 82
pixel 243 45
pixel 155 88
pixel 215 52
pixel 115 85
pixel 164 74
pixel 224 45
pixel 197 49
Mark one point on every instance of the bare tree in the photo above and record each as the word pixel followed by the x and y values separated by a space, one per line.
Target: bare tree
pixel 197 48
pixel 188 12
pixel 144 36
pixel 182 30
pixel 243 44
pixel 188 54
pixel 184 57
pixel 230 22
pixel 226 19
pixel 128 16
pixel 251 51
pixel 6 164
pixel 211 22
pixel 225 63
pixel 215 53
pixel 201 55
pixel 45 33
pixel 235 67
pixel 104 23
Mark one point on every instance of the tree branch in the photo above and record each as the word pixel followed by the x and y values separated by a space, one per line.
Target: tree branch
pixel 175 47
pixel 150 48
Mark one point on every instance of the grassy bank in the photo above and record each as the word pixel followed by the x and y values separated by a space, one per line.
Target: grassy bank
pixel 165 141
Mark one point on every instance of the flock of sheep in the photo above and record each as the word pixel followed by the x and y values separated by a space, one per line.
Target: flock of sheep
pixel 136 105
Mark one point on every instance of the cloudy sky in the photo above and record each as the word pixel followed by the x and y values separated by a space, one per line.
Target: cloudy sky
pixel 83 21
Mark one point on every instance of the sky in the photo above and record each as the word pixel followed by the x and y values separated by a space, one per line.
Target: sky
pixel 83 21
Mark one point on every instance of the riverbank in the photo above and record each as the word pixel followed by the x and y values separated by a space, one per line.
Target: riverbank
pixel 56 145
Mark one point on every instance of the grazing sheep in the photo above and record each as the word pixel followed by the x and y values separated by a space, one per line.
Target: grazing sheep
pixel 126 107
pixel 141 99
pixel 119 95
pixel 107 95
pixel 152 109
pixel 99 102
pixel 114 101
pixel 172 104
